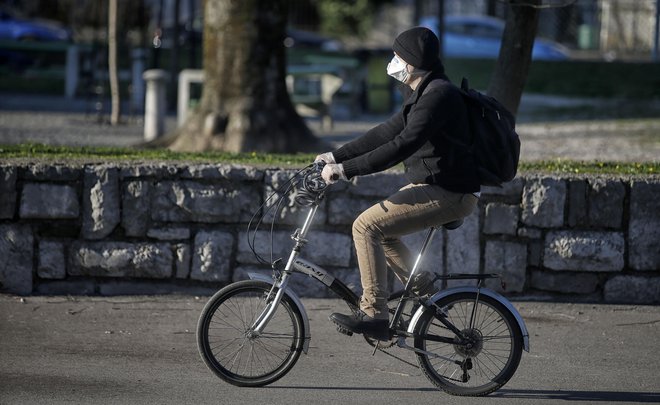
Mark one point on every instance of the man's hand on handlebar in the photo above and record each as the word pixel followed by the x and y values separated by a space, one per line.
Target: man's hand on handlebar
pixel 326 157
pixel 332 173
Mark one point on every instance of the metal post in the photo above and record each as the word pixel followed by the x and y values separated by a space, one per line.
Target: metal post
pixel 137 81
pixel 656 38
pixel 72 71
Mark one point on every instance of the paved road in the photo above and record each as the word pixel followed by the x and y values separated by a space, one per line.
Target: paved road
pixel 142 350
pixel 544 133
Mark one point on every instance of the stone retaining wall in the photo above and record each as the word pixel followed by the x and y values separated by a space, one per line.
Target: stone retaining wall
pixel 158 228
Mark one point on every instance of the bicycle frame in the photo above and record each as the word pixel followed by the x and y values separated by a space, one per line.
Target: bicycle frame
pixel 300 265
pixel 295 263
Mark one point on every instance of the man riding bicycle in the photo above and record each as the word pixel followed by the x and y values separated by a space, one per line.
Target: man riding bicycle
pixel 425 135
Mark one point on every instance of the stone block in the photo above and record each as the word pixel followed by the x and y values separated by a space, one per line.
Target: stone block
pixel 52 263
pixel 501 219
pixel 135 214
pixel 212 256
pixel 182 260
pixel 632 290
pixel 233 173
pixel 543 202
pixel 101 209
pixel 644 226
pixel 169 233
pixel 155 170
pixel 328 249
pixel 577 203
pixel 530 233
pixel 568 283
pixel 120 259
pixel 263 241
pixel 16 265
pixel 7 192
pixel 378 185
pixel 50 172
pixel 584 251
pixel 463 252
pixel 509 259
pixel 344 208
pixel 191 201
pixel 49 201
pixel 324 248
pixel 606 203
pixel 512 190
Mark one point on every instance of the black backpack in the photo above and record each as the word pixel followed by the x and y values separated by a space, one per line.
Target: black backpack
pixel 495 145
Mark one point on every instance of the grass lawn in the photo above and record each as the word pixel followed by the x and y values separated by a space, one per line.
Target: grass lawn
pixel 48 153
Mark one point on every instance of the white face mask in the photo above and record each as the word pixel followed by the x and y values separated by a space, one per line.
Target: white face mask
pixel 397 69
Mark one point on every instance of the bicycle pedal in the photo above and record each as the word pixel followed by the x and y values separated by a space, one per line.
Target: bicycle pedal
pixel 344 331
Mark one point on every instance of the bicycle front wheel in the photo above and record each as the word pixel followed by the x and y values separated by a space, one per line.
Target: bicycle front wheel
pixel 484 364
pixel 230 349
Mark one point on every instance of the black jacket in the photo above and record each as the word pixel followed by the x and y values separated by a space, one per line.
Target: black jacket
pixel 426 135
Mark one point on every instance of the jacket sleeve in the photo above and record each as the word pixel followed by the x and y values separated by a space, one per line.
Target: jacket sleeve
pixel 426 119
pixel 373 138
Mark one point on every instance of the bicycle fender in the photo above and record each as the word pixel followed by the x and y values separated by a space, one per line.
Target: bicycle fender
pixel 296 300
pixel 483 291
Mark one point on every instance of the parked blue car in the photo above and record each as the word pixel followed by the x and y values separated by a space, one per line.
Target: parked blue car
pixel 481 37
pixel 18 29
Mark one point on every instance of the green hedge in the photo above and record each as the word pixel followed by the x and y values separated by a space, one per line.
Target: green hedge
pixel 571 78
pixel 574 78
pixel 88 154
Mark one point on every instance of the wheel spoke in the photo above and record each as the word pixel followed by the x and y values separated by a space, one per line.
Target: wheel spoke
pixel 487 358
pixel 237 355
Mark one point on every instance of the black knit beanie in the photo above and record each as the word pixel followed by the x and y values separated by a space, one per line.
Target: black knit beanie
pixel 418 47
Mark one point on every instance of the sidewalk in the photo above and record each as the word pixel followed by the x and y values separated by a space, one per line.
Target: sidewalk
pixel 142 350
pixel 57 121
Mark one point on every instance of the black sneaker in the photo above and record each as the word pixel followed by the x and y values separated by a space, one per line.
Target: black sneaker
pixel 362 323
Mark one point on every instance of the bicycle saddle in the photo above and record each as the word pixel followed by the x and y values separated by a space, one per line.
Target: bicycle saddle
pixel 453 224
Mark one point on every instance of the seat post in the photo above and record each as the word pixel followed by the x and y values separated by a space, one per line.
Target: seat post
pixel 427 241
pixel 399 309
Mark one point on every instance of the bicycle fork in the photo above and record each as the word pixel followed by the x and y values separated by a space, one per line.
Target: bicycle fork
pixel 280 285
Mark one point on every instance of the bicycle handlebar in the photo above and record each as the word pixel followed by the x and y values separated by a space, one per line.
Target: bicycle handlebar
pixel 311 187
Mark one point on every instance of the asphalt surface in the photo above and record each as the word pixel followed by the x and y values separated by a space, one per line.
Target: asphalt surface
pixel 142 350
pixel 549 127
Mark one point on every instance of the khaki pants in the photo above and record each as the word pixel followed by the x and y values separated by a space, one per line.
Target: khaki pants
pixel 377 232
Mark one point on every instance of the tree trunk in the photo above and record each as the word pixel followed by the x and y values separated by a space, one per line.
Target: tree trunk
pixel 112 62
pixel 245 105
pixel 515 57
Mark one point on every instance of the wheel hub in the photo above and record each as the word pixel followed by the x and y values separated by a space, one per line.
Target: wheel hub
pixel 472 344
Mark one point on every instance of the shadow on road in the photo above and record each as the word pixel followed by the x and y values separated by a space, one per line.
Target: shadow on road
pixel 596 396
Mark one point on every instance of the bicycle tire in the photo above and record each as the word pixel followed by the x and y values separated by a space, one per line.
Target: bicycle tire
pixel 494 357
pixel 226 347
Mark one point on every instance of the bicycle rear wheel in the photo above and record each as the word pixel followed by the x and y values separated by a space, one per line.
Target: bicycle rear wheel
pixel 232 352
pixel 481 367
